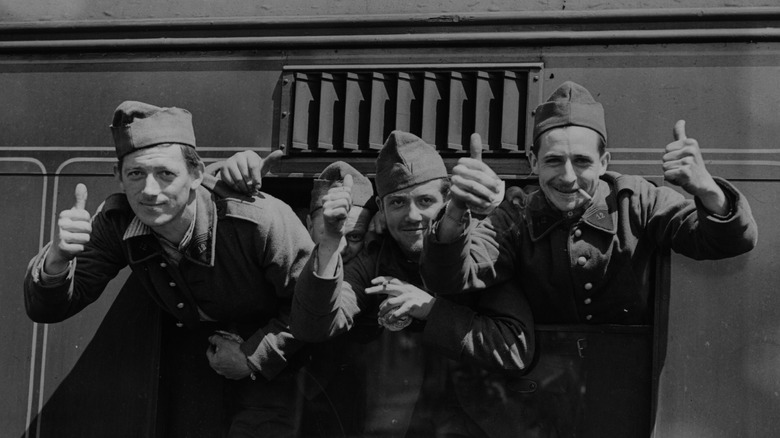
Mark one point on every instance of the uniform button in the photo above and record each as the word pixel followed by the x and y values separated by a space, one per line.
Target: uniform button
pixel 163 264
pixel 587 301
pixel 577 233
pixel 581 260
pixel 588 286
pixel 179 324
pixel 172 284
pixel 589 317
pixel 180 305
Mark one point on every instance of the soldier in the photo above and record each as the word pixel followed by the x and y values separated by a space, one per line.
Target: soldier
pixel 224 265
pixel 582 246
pixel 383 285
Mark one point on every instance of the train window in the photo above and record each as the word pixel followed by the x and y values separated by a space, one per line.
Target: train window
pixel 352 109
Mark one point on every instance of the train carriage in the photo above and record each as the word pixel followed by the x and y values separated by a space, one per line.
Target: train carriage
pixel 329 81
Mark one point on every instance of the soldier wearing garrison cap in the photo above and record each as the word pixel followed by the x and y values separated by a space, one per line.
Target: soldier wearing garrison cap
pixel 382 286
pixel 223 265
pixel 582 245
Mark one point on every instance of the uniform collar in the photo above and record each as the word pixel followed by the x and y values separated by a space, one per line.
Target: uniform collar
pixel 143 244
pixel 600 213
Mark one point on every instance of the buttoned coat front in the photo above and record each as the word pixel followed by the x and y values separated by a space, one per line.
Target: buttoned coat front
pixel 592 266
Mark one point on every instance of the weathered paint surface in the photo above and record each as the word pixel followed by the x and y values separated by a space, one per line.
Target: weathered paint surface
pixel 48 10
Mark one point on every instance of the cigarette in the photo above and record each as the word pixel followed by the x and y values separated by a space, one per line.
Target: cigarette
pixel 585 194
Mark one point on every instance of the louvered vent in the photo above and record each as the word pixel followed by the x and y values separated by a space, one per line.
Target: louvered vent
pixel 352 110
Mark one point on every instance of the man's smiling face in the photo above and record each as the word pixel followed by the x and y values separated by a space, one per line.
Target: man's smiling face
pixel 569 159
pixel 409 212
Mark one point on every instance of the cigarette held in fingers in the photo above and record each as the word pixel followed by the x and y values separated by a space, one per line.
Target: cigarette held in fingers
pixel 585 194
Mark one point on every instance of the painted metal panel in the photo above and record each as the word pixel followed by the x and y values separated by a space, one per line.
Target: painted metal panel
pixel 383 108
pixel 357 111
pixel 721 376
pixel 487 111
pixel 435 109
pixel 461 111
pixel 331 101
pixel 22 224
pixel 510 116
pixel 307 110
pixel 103 362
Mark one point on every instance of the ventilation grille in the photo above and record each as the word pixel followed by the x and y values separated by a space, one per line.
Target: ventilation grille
pixel 353 110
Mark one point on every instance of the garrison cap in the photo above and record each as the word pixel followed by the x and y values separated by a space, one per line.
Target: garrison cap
pixel 570 104
pixel 138 125
pixel 333 176
pixel 404 161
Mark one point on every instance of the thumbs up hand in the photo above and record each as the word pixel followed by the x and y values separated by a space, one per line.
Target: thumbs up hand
pixel 335 209
pixel 684 166
pixel 74 227
pixel 474 184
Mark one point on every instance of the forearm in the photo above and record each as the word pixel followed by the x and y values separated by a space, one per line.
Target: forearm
pixel 714 200
pixel 473 260
pixel 730 233
pixel 47 301
pixel 270 348
pixel 321 306
pixel 327 258
pixel 452 223
pixel 691 229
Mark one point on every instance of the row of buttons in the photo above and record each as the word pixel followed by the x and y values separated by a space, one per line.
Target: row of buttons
pixel 173 284
pixel 582 260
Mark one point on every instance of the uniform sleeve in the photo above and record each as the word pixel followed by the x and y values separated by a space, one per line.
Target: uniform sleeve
pixel 485 254
pixel 286 247
pixel 326 307
pixel 90 272
pixel 492 328
pixel 689 229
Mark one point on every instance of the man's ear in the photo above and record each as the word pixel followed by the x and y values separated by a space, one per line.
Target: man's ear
pixel 604 162
pixel 118 176
pixel 198 176
pixel 379 204
pixel 308 222
pixel 534 163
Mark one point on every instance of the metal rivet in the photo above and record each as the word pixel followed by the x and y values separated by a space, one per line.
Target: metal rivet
pixel 284 114
pixel 285 81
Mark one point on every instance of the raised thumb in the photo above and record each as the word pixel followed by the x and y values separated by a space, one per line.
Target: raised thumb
pixel 679 130
pixel 475 147
pixel 81 196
